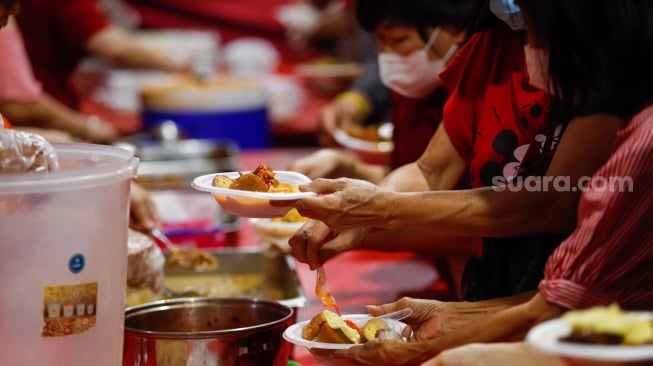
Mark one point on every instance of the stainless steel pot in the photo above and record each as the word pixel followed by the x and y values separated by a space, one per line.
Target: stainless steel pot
pixel 207 331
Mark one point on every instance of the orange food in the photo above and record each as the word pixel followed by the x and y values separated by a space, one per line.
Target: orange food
pixel 329 327
pixel 262 179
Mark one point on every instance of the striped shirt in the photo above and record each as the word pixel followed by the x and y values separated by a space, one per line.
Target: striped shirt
pixel 609 257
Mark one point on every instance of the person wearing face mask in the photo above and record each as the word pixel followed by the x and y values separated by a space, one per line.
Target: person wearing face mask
pixel 412 54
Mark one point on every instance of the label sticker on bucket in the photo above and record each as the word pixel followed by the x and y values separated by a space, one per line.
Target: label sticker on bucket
pixel 68 310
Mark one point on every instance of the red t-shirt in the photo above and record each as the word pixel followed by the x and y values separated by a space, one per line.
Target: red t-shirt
pixel 415 122
pixel 608 258
pixel 492 114
pixel 55 35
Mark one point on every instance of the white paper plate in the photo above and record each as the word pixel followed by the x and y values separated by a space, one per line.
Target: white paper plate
pixel 252 204
pixel 275 228
pixel 546 338
pixel 293 334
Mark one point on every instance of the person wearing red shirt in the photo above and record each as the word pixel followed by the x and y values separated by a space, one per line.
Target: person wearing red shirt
pixel 57 36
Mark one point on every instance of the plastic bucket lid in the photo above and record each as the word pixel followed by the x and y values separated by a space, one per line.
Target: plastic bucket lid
pixel 82 165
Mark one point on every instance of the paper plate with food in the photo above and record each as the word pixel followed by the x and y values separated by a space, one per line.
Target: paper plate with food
pixel 606 334
pixel 248 193
pixel 328 332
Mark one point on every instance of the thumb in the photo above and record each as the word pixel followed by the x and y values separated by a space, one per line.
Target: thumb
pixel 376 310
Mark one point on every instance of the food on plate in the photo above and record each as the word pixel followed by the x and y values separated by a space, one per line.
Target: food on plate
pixel 329 327
pixel 367 133
pixel 191 258
pixel 608 325
pixel 145 263
pixel 262 179
pixel 292 216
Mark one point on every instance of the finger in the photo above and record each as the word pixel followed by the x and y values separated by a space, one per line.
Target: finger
pixel 377 310
pixel 298 243
pixel 316 235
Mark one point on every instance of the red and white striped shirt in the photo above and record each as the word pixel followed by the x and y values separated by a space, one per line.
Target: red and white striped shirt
pixel 609 257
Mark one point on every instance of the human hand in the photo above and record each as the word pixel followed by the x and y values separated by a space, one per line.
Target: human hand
pixel 324 163
pixel 494 354
pixel 428 320
pixel 343 203
pixel 393 352
pixel 346 110
pixel 143 215
pixel 314 243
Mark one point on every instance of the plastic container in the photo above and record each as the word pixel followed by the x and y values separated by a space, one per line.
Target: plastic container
pixel 222 109
pixel 63 256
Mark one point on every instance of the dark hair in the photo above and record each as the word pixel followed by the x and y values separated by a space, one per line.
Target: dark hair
pixel 600 52
pixel 420 14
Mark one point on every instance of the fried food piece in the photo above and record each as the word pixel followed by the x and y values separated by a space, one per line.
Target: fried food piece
pixel 222 181
pixel 372 328
pixel 329 327
pixel 250 182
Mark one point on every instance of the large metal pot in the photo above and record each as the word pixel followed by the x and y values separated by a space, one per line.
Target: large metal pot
pixel 207 331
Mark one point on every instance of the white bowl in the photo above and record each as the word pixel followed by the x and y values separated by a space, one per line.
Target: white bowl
pixel 323 352
pixel 368 151
pixel 546 336
pixel 252 204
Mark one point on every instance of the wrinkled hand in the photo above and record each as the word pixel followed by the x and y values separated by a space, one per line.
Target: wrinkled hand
pixel 314 243
pixel 388 352
pixel 143 215
pixel 344 203
pixel 427 321
pixel 324 163
pixel 494 354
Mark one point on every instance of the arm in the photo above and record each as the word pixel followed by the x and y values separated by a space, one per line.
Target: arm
pixel 121 47
pixel 585 146
pixel 508 324
pixel 47 113
pixel 439 168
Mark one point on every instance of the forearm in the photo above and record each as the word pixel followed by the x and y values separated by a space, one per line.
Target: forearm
pixel 45 112
pixel 511 323
pixel 483 212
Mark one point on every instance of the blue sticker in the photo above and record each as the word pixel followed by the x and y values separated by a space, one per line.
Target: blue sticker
pixel 76 263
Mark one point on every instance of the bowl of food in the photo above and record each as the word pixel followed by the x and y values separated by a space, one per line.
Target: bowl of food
pixel 329 76
pixel 249 193
pixel 372 144
pixel 327 332
pixel 596 335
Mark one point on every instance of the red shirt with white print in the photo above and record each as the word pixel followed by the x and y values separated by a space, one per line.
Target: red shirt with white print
pixel 492 114
pixel 609 257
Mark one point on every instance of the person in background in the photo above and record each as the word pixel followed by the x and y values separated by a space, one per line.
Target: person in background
pixel 416 41
pixel 367 102
pixel 25 103
pixel 57 36
pixel 607 257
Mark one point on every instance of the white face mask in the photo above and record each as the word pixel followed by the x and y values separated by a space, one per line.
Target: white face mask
pixel 537 66
pixel 413 76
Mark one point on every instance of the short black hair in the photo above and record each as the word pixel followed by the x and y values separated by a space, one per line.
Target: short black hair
pixel 420 14
pixel 600 52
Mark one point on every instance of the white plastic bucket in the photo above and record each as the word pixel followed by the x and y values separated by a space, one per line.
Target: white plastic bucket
pixel 63 254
